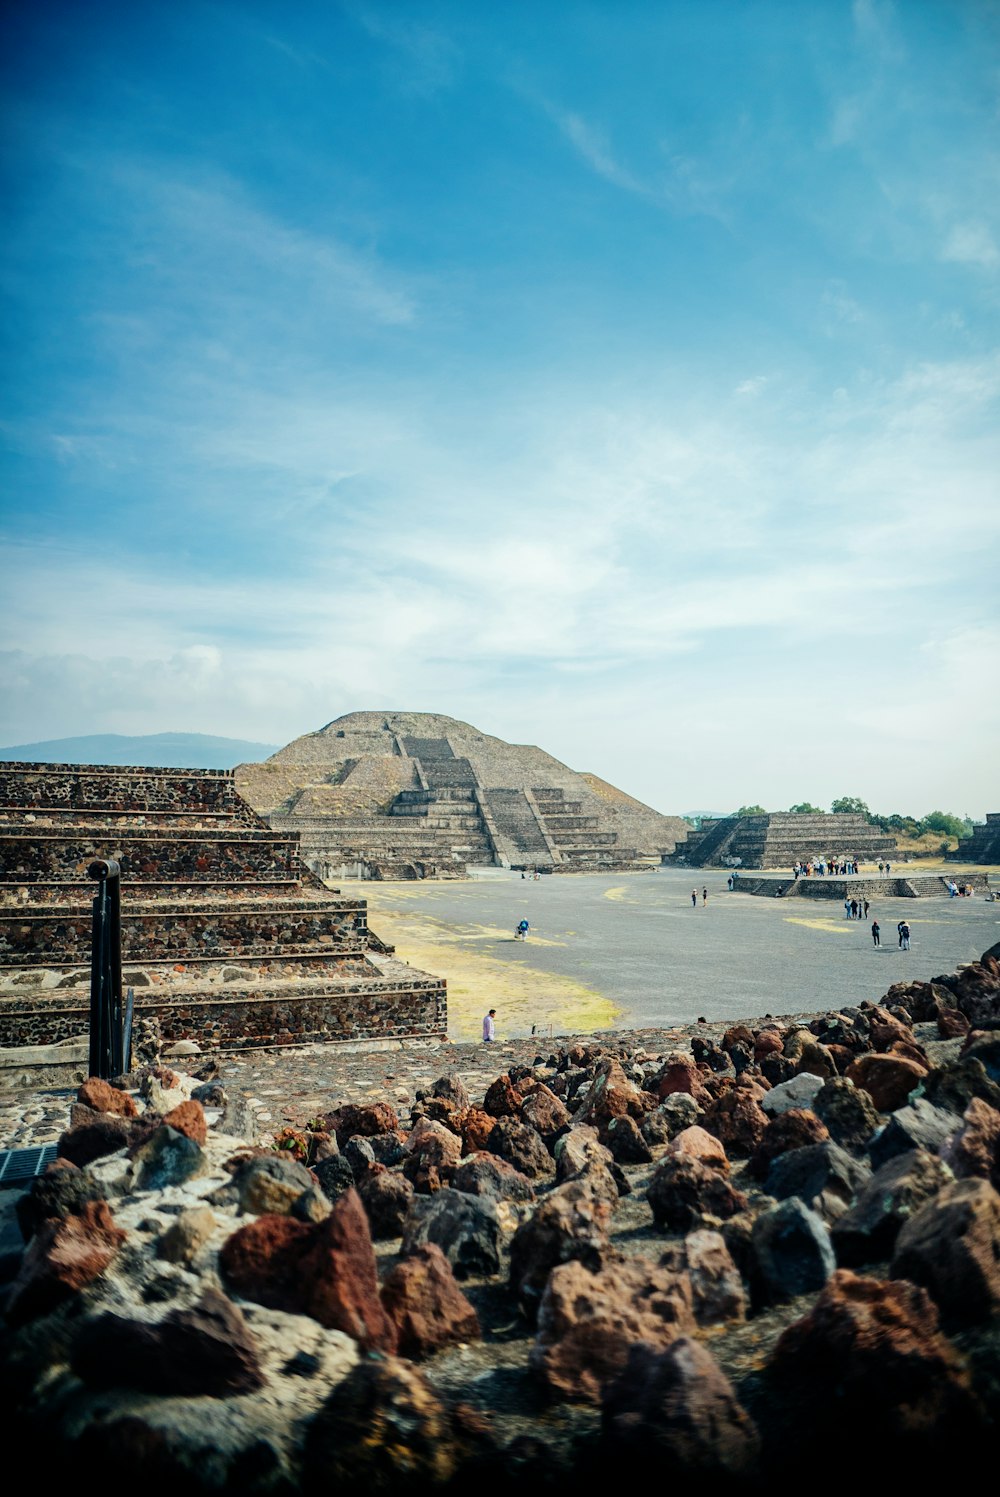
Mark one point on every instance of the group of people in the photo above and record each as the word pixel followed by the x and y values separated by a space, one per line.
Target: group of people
pixel 902 931
pixel 823 866
pixel 954 890
pixel 704 896
pixel 885 868
pixel 856 909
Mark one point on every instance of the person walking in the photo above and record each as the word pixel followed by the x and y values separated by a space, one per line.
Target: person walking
pixel 694 899
pixel 899 933
pixel 904 936
pixel 866 905
pixel 489 1027
pixel 704 896
pixel 876 933
pixel 847 909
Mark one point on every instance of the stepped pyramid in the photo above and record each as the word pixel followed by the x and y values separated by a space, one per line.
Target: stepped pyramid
pixel 227 938
pixel 416 794
pixel 983 846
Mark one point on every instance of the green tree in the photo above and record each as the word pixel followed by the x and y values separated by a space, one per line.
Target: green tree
pixel 851 803
pixel 806 808
pixel 750 811
pixel 944 822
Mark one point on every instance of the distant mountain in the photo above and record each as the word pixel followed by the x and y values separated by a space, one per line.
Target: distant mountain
pixel 159 750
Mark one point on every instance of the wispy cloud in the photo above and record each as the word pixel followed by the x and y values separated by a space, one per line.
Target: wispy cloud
pixel 971 244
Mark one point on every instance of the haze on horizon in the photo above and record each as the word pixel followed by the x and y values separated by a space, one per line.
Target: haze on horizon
pixel 618 379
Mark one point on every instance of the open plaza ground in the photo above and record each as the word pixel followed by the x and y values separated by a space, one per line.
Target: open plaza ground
pixel 618 951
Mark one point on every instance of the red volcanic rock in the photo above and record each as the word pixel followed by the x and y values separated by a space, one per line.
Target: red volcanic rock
pixel 681 1074
pixel 952 1023
pixel 206 1350
pixel 870 1354
pixel 975 1149
pixel 888 1079
pixel 809 1056
pixel 683 1191
pixel 677 1414
pixel 952 1247
pixel 610 1095
pixel 715 1280
pixel 326 1270
pixel 477 1126
pixel 737 1034
pixel 768 1042
pixel 486 1174
pixel 386 1197
pixel 503 1100
pixel 433 1153
pixel 425 1304
pixel 572 1223
pixel 63 1257
pixel 382 1430
pixel 61 1191
pixel 105 1133
pixel 626 1142
pixel 543 1111
pixel 103 1097
pixel 188 1118
pixel 587 1321
pixel 737 1120
pixel 794 1129
pixel 697 1143
pixel 518 1143
pixel 885 1031
pixel 366 1119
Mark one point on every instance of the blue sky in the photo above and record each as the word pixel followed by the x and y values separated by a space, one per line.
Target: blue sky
pixel 621 378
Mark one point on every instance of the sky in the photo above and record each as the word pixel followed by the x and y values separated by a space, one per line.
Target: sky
pixel 620 378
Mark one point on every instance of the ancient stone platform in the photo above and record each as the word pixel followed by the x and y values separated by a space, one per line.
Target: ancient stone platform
pixel 415 794
pixel 228 939
pixel 914 886
pixel 783 839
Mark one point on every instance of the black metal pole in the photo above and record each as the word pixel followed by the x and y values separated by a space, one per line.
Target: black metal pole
pixel 105 969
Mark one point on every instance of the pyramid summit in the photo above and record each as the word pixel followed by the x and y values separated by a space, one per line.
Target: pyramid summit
pixel 418 794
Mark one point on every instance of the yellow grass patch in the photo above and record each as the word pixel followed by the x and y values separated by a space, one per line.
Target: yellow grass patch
pixel 835 926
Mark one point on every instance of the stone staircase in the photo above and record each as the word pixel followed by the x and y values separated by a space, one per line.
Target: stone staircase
pixel 782 839
pixel 227 937
pixel 575 836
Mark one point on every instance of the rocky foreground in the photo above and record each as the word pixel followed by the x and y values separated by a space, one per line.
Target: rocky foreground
pixel 772 1255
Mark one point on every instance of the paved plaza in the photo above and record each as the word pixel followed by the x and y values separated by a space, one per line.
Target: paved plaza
pixel 636 953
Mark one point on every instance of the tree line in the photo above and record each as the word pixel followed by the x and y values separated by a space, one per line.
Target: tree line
pixel 941 823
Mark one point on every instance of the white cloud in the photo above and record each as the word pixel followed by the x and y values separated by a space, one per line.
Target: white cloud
pixel 971 244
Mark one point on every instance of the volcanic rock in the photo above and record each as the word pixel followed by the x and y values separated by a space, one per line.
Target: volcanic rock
pixel 425 1304
pixel 951 1246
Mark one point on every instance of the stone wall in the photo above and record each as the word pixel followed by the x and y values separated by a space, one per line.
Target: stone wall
pixel 226 935
pixel 111 789
pixel 362 1009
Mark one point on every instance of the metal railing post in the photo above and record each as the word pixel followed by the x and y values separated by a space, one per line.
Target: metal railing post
pixel 107 1057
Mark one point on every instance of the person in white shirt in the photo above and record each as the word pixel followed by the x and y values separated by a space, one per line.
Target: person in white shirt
pixel 489 1027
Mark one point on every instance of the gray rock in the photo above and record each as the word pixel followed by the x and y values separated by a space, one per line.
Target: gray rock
pixel 918 1125
pixel 792 1253
pixel 823 1176
pixel 334 1175
pixel 167 1158
pixel 867 1233
pixel 359 1155
pixel 848 1112
pixel 800 1091
pixel 466 1229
